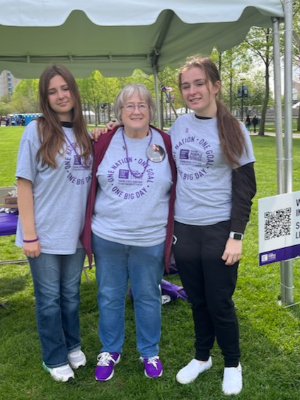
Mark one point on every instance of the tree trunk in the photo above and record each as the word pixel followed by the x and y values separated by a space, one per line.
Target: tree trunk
pixel 98 113
pixel 230 88
pixel 89 115
pixel 95 111
pixel 109 111
pixel 262 124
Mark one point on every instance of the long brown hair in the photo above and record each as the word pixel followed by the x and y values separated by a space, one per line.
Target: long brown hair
pixel 231 137
pixel 50 132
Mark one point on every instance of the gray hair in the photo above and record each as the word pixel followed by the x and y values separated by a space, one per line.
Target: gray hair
pixel 127 92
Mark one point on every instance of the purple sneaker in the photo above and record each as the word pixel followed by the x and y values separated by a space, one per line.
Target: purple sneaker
pixel 105 366
pixel 153 367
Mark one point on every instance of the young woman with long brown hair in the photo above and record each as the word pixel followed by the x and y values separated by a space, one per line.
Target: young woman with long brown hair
pixel 53 179
pixel 216 182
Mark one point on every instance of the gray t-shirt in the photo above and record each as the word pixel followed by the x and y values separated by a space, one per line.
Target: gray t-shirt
pixel 203 193
pixel 129 209
pixel 60 194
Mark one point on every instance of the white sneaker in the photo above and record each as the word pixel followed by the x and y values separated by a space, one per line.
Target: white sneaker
pixel 190 372
pixel 77 359
pixel 63 373
pixel 232 380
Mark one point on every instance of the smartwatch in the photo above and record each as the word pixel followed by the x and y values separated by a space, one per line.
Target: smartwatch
pixel 236 235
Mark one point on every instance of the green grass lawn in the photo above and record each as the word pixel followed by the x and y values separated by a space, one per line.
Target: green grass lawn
pixel 270 126
pixel 269 333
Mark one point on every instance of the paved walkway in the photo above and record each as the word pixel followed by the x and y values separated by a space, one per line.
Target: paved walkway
pixel 295 135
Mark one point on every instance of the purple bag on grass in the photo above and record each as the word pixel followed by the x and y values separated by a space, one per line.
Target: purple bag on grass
pixel 172 290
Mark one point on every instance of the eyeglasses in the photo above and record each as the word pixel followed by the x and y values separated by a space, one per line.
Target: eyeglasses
pixel 130 107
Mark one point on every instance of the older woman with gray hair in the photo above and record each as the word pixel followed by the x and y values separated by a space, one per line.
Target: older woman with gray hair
pixel 129 228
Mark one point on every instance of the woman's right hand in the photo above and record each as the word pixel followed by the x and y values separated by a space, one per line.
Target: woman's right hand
pixel 97 132
pixel 112 124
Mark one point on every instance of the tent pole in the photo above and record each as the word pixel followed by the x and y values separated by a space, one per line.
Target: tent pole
pixel 278 107
pixel 278 131
pixel 288 287
pixel 157 100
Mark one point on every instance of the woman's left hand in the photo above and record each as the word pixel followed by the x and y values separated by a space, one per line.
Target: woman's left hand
pixel 233 251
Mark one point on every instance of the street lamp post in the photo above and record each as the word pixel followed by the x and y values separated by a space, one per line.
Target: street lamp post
pixel 242 94
pixel 242 112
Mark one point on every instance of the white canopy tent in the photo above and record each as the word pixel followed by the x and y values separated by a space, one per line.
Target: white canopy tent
pixel 118 36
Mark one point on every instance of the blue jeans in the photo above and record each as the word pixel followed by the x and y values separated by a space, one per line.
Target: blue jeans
pixel 143 267
pixel 56 280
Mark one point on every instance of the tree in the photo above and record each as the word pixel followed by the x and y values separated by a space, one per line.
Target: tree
pixel 4 109
pixel 233 66
pixel 96 90
pixel 25 96
pixel 170 96
pixel 6 98
pixel 296 47
pixel 110 87
pixel 259 42
pixel 90 92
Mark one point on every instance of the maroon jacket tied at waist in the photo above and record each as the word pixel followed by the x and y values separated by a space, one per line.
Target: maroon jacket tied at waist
pixel 100 148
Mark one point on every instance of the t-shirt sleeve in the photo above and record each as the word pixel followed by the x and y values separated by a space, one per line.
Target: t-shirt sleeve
pixel 26 161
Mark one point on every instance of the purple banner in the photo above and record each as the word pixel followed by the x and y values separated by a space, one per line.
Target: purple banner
pixel 282 254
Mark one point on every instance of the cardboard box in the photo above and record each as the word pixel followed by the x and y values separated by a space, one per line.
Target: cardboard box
pixel 6 198
pixel 10 202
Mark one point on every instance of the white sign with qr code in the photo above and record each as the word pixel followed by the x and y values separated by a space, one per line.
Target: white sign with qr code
pixel 279 227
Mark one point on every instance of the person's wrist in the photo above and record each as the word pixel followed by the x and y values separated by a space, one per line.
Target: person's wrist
pixel 236 235
pixel 30 240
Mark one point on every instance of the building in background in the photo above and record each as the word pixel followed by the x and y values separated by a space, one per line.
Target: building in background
pixel 296 90
pixel 7 83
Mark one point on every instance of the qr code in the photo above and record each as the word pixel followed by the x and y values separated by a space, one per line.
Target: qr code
pixel 278 223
